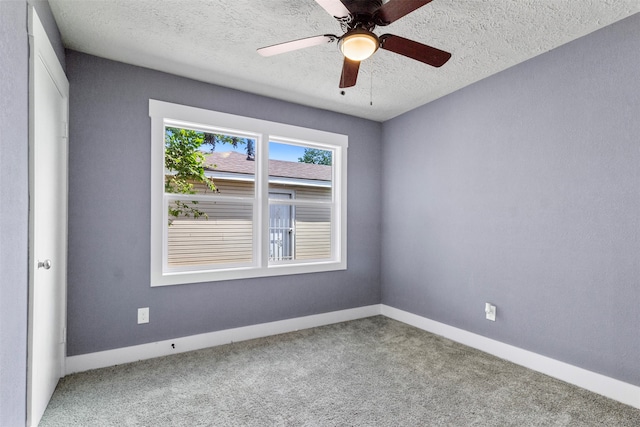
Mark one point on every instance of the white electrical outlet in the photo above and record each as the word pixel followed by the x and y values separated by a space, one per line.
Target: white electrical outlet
pixel 490 311
pixel 143 315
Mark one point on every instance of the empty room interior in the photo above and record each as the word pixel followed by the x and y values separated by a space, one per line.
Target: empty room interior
pixel 472 186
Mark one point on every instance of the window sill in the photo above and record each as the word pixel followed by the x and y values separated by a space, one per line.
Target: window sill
pixel 187 277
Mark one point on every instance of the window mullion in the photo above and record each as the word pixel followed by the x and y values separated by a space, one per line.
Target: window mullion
pixel 165 234
pixel 262 189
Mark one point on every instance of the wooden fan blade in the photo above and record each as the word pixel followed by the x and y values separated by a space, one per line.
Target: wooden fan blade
pixel 414 50
pixel 396 9
pixel 335 8
pixel 277 49
pixel 349 73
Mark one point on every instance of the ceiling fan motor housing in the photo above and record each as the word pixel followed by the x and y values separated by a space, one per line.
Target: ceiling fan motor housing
pixel 362 13
pixel 364 7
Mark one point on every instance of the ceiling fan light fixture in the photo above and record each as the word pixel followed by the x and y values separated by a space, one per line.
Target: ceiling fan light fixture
pixel 358 45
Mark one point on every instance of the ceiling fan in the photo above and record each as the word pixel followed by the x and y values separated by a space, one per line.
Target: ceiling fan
pixel 358 19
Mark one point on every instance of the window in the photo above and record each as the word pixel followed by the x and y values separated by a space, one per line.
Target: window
pixel 234 197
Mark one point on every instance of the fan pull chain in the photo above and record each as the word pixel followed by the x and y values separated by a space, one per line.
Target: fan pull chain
pixel 371 90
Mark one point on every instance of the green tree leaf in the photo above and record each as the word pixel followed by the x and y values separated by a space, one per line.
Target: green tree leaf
pixel 184 162
pixel 315 156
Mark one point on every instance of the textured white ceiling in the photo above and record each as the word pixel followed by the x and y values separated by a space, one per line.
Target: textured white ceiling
pixel 216 40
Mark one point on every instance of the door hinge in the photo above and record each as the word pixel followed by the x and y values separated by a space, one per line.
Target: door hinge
pixel 64 335
pixel 65 129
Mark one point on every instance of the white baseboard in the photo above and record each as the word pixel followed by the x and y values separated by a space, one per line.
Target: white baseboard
pixel 618 390
pixel 597 383
pixel 118 356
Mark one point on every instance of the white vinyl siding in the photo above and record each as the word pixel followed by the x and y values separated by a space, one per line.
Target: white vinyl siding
pixel 311 193
pixel 313 232
pixel 228 188
pixel 226 236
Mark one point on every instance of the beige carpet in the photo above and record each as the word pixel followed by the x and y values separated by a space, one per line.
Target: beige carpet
pixel 369 372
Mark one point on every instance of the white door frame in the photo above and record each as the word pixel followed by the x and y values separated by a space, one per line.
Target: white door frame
pixel 42 50
pixel 292 222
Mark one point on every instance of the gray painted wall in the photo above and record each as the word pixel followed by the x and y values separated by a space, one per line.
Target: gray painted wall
pixel 14 217
pixel 523 190
pixel 109 208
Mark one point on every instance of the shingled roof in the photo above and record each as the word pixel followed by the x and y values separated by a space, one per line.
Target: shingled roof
pixel 234 162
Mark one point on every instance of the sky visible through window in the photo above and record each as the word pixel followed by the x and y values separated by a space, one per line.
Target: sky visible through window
pixel 286 152
pixel 277 151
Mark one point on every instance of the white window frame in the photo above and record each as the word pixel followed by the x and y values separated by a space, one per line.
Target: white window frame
pixel 263 131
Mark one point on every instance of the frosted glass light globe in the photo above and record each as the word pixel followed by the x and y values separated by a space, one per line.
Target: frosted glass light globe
pixel 358 45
